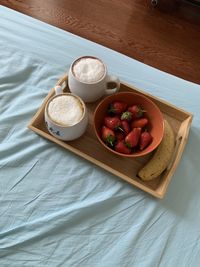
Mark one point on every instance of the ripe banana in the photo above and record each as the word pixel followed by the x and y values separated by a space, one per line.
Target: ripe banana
pixel 158 163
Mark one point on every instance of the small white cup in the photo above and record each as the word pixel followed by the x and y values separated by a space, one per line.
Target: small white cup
pixel 63 132
pixel 90 92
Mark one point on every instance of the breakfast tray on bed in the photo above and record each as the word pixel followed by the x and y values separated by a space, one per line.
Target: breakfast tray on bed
pixel 89 148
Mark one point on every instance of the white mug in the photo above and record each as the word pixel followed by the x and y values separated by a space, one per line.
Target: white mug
pixel 66 132
pixel 90 91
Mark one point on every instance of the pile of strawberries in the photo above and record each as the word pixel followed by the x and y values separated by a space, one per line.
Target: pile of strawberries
pixel 125 129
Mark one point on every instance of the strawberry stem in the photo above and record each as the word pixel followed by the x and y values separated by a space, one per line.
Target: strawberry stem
pixel 120 128
pixel 111 110
pixel 140 112
pixel 127 115
pixel 128 145
pixel 110 140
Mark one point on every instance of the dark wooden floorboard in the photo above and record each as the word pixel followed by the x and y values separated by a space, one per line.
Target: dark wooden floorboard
pixel 165 37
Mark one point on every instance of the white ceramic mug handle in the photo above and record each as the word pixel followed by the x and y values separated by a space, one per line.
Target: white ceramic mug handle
pixel 58 90
pixel 112 79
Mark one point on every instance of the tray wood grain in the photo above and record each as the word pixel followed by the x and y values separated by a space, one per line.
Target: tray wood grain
pixel 88 146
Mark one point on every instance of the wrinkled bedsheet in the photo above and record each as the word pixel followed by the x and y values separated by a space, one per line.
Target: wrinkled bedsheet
pixel 57 209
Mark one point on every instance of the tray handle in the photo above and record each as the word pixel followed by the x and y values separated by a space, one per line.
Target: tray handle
pixel 180 142
pixel 62 82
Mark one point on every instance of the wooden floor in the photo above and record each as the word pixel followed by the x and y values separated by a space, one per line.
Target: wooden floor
pixel 164 37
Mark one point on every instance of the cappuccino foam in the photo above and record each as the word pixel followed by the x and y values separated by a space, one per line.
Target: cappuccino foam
pixel 65 110
pixel 89 70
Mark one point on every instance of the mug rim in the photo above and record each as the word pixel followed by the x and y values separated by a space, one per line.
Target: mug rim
pixel 105 67
pixel 61 125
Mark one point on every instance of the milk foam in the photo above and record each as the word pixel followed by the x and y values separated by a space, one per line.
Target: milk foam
pixel 65 110
pixel 88 70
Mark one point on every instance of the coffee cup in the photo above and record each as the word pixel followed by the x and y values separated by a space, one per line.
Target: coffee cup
pixel 66 115
pixel 88 78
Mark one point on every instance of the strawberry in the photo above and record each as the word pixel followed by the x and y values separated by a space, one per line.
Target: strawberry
pixel 119 136
pixel 114 123
pixel 122 148
pixel 139 123
pixel 145 140
pixel 117 107
pixel 133 137
pixel 108 136
pixel 125 127
pixel 127 116
pixel 137 112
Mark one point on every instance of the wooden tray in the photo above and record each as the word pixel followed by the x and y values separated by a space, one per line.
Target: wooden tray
pixel 89 147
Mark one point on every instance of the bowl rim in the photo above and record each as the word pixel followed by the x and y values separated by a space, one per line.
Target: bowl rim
pixel 135 154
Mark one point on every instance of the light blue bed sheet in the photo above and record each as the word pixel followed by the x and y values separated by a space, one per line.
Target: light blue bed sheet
pixel 57 209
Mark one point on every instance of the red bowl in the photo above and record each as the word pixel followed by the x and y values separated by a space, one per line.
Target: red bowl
pixel 153 113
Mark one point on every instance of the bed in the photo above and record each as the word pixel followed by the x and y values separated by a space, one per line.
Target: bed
pixel 58 209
